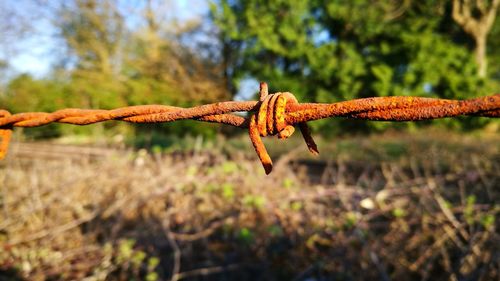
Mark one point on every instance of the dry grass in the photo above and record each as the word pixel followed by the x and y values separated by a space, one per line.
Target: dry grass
pixel 426 210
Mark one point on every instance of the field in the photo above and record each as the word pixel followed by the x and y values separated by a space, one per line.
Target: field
pixel 417 206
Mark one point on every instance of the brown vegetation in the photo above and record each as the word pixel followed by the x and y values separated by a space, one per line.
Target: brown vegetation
pixel 379 208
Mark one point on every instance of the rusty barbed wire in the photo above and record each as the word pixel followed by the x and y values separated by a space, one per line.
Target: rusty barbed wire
pixel 272 114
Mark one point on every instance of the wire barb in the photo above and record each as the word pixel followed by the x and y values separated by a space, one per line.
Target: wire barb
pixel 270 120
pixel 272 114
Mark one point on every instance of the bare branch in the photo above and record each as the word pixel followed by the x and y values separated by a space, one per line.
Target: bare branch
pixel 461 14
pixel 175 247
pixel 206 271
pixel 492 13
pixel 478 28
pixel 481 6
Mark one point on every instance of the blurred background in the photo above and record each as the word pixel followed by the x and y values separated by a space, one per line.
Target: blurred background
pixel 189 200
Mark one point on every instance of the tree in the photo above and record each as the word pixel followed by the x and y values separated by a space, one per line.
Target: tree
pixel 93 31
pixel 135 59
pixel 156 53
pixel 116 53
pixel 328 51
pixel 477 26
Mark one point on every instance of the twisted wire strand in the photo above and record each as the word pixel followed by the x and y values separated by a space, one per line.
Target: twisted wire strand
pixel 272 114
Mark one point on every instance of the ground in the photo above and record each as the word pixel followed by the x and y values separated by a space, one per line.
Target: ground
pixel 396 206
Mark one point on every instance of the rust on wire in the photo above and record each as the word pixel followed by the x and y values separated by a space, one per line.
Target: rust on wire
pixel 272 114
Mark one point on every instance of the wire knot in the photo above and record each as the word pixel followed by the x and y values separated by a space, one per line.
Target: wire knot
pixel 269 120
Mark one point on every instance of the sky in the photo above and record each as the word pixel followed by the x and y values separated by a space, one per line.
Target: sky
pixel 36 53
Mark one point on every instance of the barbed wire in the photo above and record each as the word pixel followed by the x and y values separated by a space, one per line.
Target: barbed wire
pixel 272 114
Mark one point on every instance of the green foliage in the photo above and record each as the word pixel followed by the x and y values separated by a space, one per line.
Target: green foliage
pixel 229 167
pixel 124 260
pixel 469 209
pixel 322 51
pixel 26 93
pixel 350 219
pixel 327 51
pixel 488 221
pixel 288 183
pixel 296 206
pixel 114 63
pixel 254 201
pixel 399 213
pixel 228 191
pixel 246 236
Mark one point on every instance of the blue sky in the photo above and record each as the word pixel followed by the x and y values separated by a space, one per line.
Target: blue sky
pixel 36 53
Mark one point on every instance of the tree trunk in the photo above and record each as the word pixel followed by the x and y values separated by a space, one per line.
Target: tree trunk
pixel 477 27
pixel 480 53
